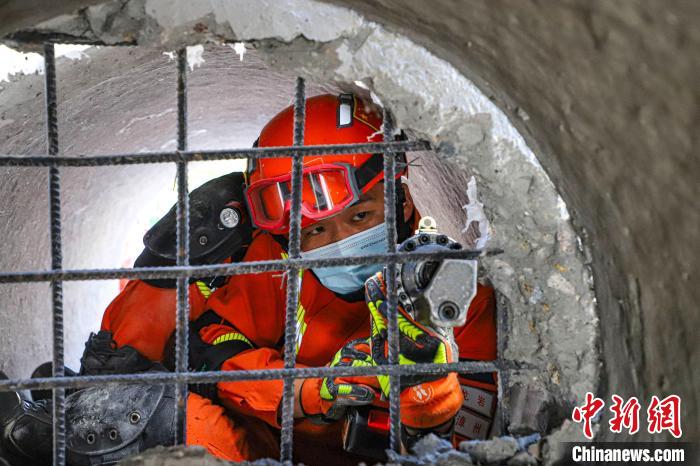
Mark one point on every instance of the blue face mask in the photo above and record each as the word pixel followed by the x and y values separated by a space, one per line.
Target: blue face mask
pixel 349 278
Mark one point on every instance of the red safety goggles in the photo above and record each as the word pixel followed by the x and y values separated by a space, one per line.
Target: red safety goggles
pixel 326 190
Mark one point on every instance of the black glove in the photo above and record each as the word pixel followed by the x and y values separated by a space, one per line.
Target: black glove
pixel 326 400
pixel 102 357
pixel 204 356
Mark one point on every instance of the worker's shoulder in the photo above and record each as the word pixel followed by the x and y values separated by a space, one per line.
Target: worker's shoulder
pixel 476 339
pixel 485 296
pixel 481 313
pixel 261 286
pixel 264 246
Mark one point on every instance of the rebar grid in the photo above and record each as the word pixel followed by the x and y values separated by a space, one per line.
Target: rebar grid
pixel 293 266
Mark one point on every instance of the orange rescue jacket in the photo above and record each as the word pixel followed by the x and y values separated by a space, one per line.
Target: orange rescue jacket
pixel 143 317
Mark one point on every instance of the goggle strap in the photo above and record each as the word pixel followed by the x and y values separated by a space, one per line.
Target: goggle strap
pixel 319 195
pixel 374 166
pixel 283 189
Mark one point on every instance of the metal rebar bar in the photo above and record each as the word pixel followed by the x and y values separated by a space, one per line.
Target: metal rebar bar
pixel 466 367
pixel 293 277
pixel 502 341
pixel 183 249
pixel 239 268
pixel 390 281
pixel 59 401
pixel 207 155
pixel 39 37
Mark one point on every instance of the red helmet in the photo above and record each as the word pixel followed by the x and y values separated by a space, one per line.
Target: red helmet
pixel 330 182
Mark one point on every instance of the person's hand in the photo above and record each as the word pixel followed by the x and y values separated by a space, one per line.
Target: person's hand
pixel 102 357
pixel 427 401
pixel 325 400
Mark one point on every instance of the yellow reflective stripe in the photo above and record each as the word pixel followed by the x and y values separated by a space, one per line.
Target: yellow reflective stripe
pixel 233 336
pixel 301 312
pixel 374 329
pixel 301 324
pixel 286 256
pixel 204 289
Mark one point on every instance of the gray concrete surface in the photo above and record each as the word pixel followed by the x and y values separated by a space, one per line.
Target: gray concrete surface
pixel 605 94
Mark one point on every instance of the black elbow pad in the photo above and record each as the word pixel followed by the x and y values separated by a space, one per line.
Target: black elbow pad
pixel 220 228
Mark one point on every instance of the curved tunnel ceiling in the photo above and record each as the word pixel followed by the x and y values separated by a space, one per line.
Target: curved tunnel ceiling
pixel 606 95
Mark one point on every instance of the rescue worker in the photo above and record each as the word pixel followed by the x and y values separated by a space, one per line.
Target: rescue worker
pixel 240 324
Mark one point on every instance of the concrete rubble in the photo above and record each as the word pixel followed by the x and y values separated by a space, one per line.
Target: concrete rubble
pixel 531 410
pixel 430 451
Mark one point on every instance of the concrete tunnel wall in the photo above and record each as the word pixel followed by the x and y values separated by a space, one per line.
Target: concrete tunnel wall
pixel 114 100
pixel 605 94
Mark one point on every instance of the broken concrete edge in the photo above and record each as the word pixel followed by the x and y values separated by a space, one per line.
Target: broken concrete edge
pixel 431 450
pixel 542 256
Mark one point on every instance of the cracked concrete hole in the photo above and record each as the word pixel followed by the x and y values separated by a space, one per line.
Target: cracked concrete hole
pixel 122 99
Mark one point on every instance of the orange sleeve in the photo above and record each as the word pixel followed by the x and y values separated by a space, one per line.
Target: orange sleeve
pixel 258 398
pixel 477 337
pixel 254 398
pixel 254 305
pixel 143 317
